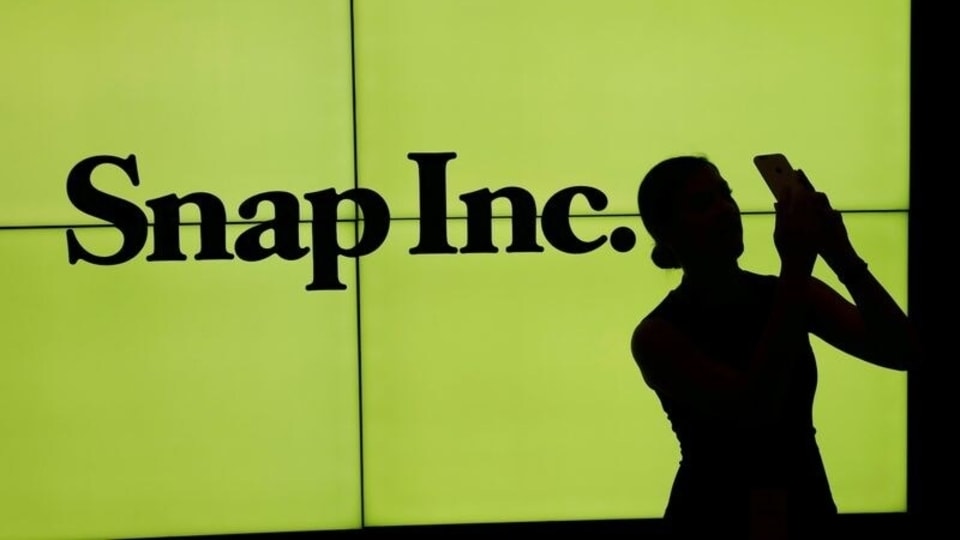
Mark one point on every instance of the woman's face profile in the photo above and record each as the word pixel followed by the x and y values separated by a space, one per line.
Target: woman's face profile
pixel 708 229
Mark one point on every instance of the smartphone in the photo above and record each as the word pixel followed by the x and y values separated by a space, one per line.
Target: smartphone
pixel 780 176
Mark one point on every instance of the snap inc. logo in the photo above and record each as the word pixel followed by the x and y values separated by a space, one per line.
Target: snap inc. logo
pixel 324 245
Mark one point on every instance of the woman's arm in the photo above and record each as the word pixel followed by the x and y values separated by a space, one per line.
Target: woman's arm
pixel 874 328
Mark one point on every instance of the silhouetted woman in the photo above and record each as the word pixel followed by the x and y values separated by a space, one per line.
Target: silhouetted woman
pixel 728 353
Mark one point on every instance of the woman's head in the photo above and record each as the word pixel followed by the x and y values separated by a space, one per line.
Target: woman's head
pixel 687 207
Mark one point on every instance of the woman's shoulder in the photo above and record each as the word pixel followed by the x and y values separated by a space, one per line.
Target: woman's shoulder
pixel 675 306
pixel 666 307
pixel 670 311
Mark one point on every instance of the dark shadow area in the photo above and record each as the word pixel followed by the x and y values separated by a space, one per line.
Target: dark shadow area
pixel 932 411
pixel 728 351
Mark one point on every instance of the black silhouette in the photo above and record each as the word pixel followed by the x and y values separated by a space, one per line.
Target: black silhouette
pixel 728 353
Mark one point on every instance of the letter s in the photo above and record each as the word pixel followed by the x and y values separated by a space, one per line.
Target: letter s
pixel 124 215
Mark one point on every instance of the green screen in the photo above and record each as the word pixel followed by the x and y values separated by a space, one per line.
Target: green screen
pixel 170 399
pixel 202 397
pixel 551 93
pixel 227 96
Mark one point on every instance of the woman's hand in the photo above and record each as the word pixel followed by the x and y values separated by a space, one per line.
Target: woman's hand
pixel 807 222
pixel 797 232
pixel 833 242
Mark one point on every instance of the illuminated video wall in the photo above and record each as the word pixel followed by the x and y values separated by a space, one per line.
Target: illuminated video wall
pixel 418 365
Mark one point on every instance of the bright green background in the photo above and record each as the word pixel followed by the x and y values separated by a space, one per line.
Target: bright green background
pixel 165 399
pixel 220 396
pixel 233 97
pixel 551 93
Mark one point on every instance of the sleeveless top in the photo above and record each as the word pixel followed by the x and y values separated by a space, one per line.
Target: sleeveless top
pixel 721 462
